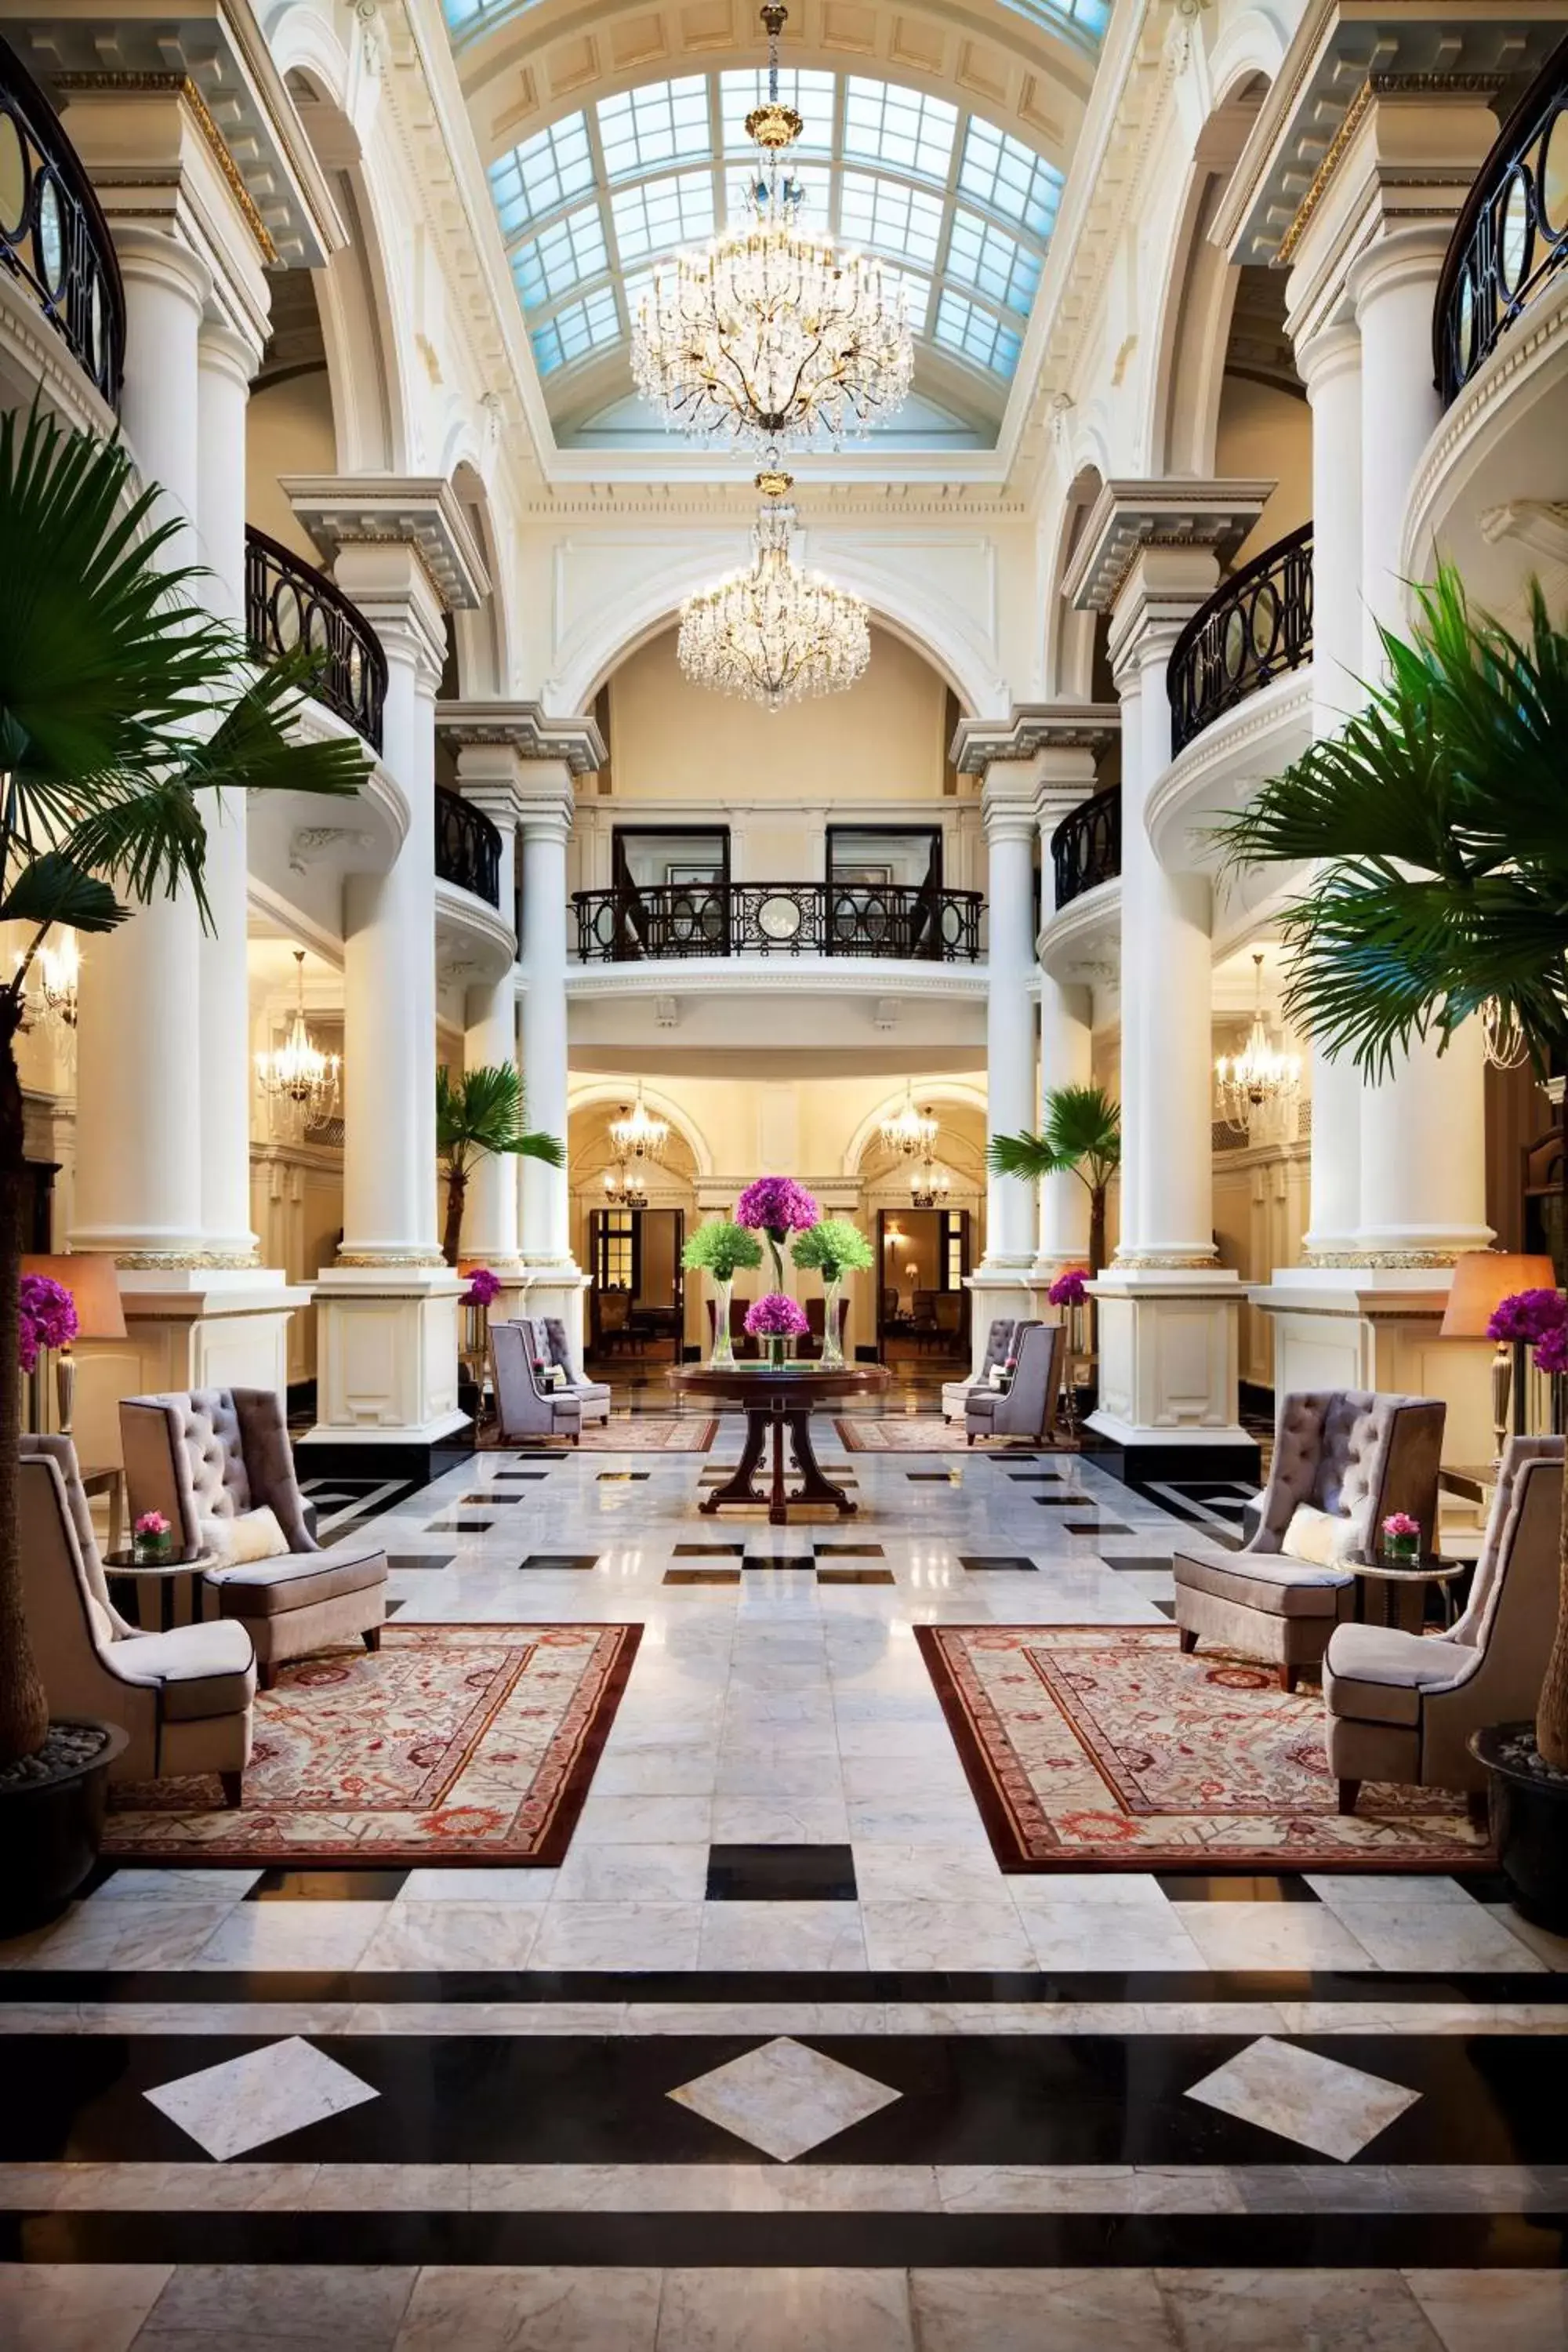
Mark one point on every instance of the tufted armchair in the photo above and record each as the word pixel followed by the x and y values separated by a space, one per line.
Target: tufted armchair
pixel 206 1460
pixel 1401 1706
pixel 1027 1409
pixel 1000 1343
pixel 552 1346
pixel 525 1408
pixel 1353 1456
pixel 184 1699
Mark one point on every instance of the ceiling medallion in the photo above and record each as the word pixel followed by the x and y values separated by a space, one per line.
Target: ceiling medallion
pixel 770 335
pixel 773 633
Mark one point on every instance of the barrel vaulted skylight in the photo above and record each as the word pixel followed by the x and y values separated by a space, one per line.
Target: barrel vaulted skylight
pixel 964 209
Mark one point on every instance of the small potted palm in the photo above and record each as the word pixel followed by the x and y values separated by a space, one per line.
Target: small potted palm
pixel 1080 1135
pixel 125 709
pixel 1435 826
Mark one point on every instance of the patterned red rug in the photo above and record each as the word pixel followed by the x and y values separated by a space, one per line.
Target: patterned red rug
pixel 624 1434
pixel 465 1743
pixel 928 1433
pixel 1096 1747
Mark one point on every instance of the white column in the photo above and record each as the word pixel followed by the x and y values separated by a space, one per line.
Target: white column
pixel 1128 682
pixel 486 776
pixel 226 363
pixel 1423 1194
pixel 1063 779
pixel 545 825
pixel 1011 1102
pixel 139 1066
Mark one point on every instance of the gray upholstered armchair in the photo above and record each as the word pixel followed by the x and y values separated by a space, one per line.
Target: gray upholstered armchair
pixel 1352 1458
pixel 525 1408
pixel 552 1346
pixel 1401 1706
pixel 184 1698
pixel 1028 1408
pixel 207 1461
pixel 1000 1342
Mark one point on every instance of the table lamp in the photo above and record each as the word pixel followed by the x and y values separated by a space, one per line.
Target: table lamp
pixel 1482 1280
pixel 93 1280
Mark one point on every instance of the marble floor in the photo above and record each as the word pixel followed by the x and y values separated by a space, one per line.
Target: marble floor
pixel 778 2055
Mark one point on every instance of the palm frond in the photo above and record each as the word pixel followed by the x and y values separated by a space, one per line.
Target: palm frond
pixel 1028 1156
pixel 480 1113
pixel 251 750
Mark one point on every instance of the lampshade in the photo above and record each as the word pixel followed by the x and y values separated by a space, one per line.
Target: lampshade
pixel 93 1280
pixel 1482 1280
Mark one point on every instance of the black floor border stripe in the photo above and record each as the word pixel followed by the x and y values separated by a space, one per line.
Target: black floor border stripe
pixel 721 2240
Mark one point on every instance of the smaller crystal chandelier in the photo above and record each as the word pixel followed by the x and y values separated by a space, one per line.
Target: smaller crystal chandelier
pixel 636 1136
pixel 773 633
pixel 929 1184
pixel 297 1076
pixel 911 1134
pixel 1503 1040
pixel 54 977
pixel 1245 1082
pixel 625 1186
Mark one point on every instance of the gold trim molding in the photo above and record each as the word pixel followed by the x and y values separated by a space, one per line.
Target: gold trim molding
pixel 1376 85
pixel 181 86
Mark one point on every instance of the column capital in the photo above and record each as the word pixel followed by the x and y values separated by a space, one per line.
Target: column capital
pixel 1033 729
pixel 156 257
pixel 223 349
pixel 1401 256
pixel 523 727
pixel 389 583
pixel 1321 357
pixel 1161 590
pixel 420 512
pixel 546 803
pixel 1007 807
pixel 1176 513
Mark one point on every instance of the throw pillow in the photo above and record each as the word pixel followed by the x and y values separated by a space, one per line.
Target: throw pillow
pixel 1321 1539
pixel 998 1377
pixel 249 1536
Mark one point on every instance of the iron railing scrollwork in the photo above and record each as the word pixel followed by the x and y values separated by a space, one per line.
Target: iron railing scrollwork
pixel 1256 625
pixel 467 848
pixel 53 236
pixel 1086 847
pixel 289 603
pixel 1512 234
pixel 910 923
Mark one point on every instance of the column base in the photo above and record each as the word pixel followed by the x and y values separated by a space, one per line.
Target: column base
pixel 1005 1286
pixel 1377 1327
pixel 387 1360
pixel 554 1286
pixel 186 1327
pixel 1168 1356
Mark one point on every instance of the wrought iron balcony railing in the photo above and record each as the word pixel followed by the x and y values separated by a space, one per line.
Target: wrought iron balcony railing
pixel 53 236
pixel 467 848
pixel 1256 625
pixel 790 919
pixel 1086 847
pixel 289 603
pixel 1512 236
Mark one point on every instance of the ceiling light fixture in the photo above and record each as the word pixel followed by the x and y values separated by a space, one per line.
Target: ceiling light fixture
pixel 1258 1075
pixel 910 1134
pixel 773 633
pixel 297 1075
pixel 635 1135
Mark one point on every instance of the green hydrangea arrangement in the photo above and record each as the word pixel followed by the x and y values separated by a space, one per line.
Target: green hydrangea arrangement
pixel 721 1249
pixel 835 1247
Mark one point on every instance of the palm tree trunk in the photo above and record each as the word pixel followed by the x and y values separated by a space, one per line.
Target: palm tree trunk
pixel 1551 1714
pixel 1096 1196
pixel 24 1708
pixel 456 1198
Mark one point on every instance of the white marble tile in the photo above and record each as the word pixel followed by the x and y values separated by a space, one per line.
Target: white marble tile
pixel 245 2102
pixel 327 1935
pixel 649 1873
pixel 538 2310
pixel 453 1936
pixel 1335 2109
pixel 618 1936
pixel 1494 2311
pixel 770 1820
pixel 1552 1950
pixel 799 1935
pixel 784 2310
pixel 927 1873
pixel 130 1884
pixel 1080 1938
pixel 1271 1936
pixel 785 2098
pixel 1297 2310
pixel 1006 2311
pixel 458 1885
pixel 669 1771
pixel 1338 1888
pixel 1411 1935
pixel 149 1934
pixel 268 2306
pixel 961 1934
pixel 77 2306
pixel 644 1820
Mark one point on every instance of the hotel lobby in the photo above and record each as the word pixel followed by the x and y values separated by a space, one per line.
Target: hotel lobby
pixel 780 1523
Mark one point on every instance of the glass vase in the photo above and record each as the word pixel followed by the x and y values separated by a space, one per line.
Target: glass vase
pixel 1401 1551
pixel 723 1357
pixel 778 1354
pixel 832 1353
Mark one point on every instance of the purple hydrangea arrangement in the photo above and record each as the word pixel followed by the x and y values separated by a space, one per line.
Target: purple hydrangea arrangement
pixel 46 1317
pixel 483 1286
pixel 774 1317
pixel 1527 1317
pixel 777 1206
pixel 1070 1289
pixel 1552 1351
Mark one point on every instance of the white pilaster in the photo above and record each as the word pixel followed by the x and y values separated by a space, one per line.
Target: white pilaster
pixel 1063 779
pixel 487 776
pixel 1008 813
pixel 545 825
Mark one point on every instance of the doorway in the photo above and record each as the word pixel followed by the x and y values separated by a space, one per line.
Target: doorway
pixel 922 1307
pixel 637 1299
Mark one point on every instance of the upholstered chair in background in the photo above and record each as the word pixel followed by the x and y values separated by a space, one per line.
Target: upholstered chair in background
pixel 209 1462
pixel 1346 1459
pixel 1028 1408
pixel 1000 1342
pixel 1402 1707
pixel 525 1408
pixel 551 1347
pixel 184 1698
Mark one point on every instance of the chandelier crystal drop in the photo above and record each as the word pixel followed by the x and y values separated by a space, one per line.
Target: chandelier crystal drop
pixel 770 336
pixel 1246 1083
pixel 297 1076
pixel 635 1135
pixel 911 1134
pixel 773 633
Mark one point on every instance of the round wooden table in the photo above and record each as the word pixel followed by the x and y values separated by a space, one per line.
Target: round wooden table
pixel 777 1400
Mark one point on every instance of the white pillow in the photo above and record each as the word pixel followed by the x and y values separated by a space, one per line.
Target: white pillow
pixel 1321 1539
pixel 249 1536
pixel 998 1377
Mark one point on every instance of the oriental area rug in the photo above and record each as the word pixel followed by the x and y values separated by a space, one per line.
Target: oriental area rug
pixel 468 1744
pixel 928 1433
pixel 624 1433
pixel 1094 1747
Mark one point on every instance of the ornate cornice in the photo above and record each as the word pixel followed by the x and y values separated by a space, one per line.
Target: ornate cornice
pixel 388 509
pixel 1128 516
pixel 524 728
pixel 1032 728
pixel 181 86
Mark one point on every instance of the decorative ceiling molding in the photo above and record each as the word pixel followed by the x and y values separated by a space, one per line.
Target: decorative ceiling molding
pixel 978 743
pixel 384 510
pixel 1128 516
pixel 524 728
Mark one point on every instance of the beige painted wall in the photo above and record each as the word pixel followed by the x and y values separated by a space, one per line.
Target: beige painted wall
pixel 1267 432
pixel 289 430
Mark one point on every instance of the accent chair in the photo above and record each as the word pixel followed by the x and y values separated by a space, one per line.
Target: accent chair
pixel 525 1408
pixel 1028 1408
pixel 552 1346
pixel 1000 1342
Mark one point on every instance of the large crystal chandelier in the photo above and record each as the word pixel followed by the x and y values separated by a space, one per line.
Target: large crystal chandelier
pixel 773 633
pixel 637 1137
pixel 297 1076
pixel 910 1134
pixel 1258 1075
pixel 771 335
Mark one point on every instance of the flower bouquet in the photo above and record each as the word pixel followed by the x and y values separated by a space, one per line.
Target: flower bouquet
pixel 778 1320
pixel 835 1247
pixel 46 1317
pixel 151 1540
pixel 776 1206
pixel 720 1249
pixel 1401 1539
pixel 1529 1318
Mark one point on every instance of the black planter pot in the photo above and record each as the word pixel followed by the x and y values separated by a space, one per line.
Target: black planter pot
pixel 50 1831
pixel 1528 1806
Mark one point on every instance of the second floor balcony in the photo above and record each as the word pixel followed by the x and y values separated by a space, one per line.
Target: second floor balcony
pixel 641 922
pixel 53 239
pixel 1086 847
pixel 289 603
pixel 1256 625
pixel 467 848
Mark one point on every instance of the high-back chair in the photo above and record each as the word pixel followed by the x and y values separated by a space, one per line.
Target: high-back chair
pixel 1028 1407
pixel 525 1408
pixel 1352 1458
pixel 551 1347
pixel 212 1461
pixel 1000 1342
pixel 182 1699
pixel 1402 1707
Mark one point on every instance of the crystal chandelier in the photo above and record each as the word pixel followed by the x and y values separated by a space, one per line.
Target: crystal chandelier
pixel 1257 1074
pixel 771 335
pixel 625 1186
pixel 1503 1040
pixel 774 633
pixel 637 1137
pixel 911 1134
pixel 54 977
pixel 297 1076
pixel 929 1184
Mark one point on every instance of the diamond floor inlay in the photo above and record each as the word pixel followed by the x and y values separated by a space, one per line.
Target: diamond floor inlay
pixel 1321 2102
pixel 245 2102
pixel 785 2098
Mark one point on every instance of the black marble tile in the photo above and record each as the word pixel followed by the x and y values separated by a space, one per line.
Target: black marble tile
pixel 781 1873
pixel 1094 1527
pixel 706 1551
pixel 508 1479
pixel 490 1501
pixel 976 1562
pixel 328 1886
pixel 394 1606
pixel 1234 1886
pixel 427 1560
pixel 1065 1502
pixel 855 1575
pixel 457 1526
pixel 1148 1562
pixel 562 1559
pixel 1035 1477
pixel 806 1563
pixel 849 1551
pixel 934 1477
pixel 702 1576
pixel 1167 1609
pixel 621 1477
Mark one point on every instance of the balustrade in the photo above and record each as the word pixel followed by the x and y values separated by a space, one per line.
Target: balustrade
pixel 289 603
pixel 1256 625
pixel 467 848
pixel 1086 847
pixel 913 924
pixel 1512 234
pixel 53 236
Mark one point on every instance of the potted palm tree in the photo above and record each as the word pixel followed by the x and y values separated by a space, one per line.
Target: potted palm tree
pixel 1434 825
pixel 480 1116
pixel 124 707
pixel 1081 1136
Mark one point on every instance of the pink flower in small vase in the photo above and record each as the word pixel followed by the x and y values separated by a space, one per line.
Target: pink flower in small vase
pixel 152 1524
pixel 1400 1523
pixel 774 1317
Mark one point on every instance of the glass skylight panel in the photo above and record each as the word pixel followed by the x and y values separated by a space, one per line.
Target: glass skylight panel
pixel 994 263
pixel 810 94
pixel 902 128
pixel 1000 172
pixel 659 215
pixel 890 215
pixel 542 174
pixel 975 334
pixel 576 330
pixel 916 293
pixel 662 122
pixel 561 256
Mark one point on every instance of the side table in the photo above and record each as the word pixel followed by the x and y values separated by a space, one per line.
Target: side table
pixel 158 1598
pixel 1397 1596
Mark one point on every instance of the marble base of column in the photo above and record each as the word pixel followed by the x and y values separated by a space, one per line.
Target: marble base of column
pixel 1376 1327
pixel 555 1286
pixel 386 1369
pixel 186 1327
pixel 1168 1348
pixel 1010 1287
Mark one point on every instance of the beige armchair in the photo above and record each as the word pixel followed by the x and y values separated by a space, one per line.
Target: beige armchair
pixel 184 1698
pixel 1402 1707
pixel 206 1459
pixel 1350 1454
